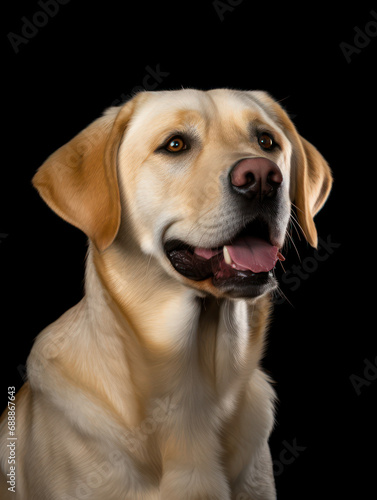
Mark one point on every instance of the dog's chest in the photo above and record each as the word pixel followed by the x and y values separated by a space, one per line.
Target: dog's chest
pixel 198 391
pixel 213 354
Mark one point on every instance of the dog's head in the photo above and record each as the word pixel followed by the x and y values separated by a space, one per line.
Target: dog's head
pixel 202 181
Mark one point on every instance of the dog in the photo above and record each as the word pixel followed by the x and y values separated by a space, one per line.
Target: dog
pixel 151 386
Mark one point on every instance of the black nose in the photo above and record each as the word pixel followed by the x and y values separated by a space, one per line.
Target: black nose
pixel 256 176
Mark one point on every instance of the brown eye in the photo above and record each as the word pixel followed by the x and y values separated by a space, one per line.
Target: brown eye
pixel 176 144
pixel 266 141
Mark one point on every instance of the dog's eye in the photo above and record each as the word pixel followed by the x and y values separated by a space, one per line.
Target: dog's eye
pixel 176 144
pixel 266 141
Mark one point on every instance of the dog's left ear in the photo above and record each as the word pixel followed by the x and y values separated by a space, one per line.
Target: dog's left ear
pixel 311 178
pixel 312 181
pixel 79 181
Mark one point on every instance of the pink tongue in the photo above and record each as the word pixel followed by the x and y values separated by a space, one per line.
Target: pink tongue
pixel 253 254
pixel 207 253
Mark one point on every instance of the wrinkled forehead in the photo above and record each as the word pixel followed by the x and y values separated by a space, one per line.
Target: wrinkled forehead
pixel 223 110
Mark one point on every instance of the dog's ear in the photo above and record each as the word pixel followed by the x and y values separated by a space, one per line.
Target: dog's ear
pixel 311 178
pixel 79 181
pixel 312 181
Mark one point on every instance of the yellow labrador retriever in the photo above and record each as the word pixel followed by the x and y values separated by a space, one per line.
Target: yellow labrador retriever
pixel 151 387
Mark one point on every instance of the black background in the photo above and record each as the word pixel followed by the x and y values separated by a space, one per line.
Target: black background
pixel 90 55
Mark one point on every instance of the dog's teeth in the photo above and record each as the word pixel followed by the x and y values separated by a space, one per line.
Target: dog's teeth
pixel 227 257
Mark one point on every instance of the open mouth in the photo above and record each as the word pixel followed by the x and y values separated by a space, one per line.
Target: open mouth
pixel 245 260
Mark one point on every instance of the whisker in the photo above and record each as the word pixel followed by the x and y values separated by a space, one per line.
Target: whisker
pixel 283 296
pixel 293 223
pixel 298 224
pixel 296 207
pixel 282 266
pixel 148 264
pixel 284 98
pixel 294 246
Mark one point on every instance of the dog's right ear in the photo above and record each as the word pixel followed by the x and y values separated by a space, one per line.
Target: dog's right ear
pixel 79 181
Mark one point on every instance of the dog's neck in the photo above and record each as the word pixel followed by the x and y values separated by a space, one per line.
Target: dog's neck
pixel 167 331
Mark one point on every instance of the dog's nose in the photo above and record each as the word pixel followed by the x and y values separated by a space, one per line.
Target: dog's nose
pixel 253 176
